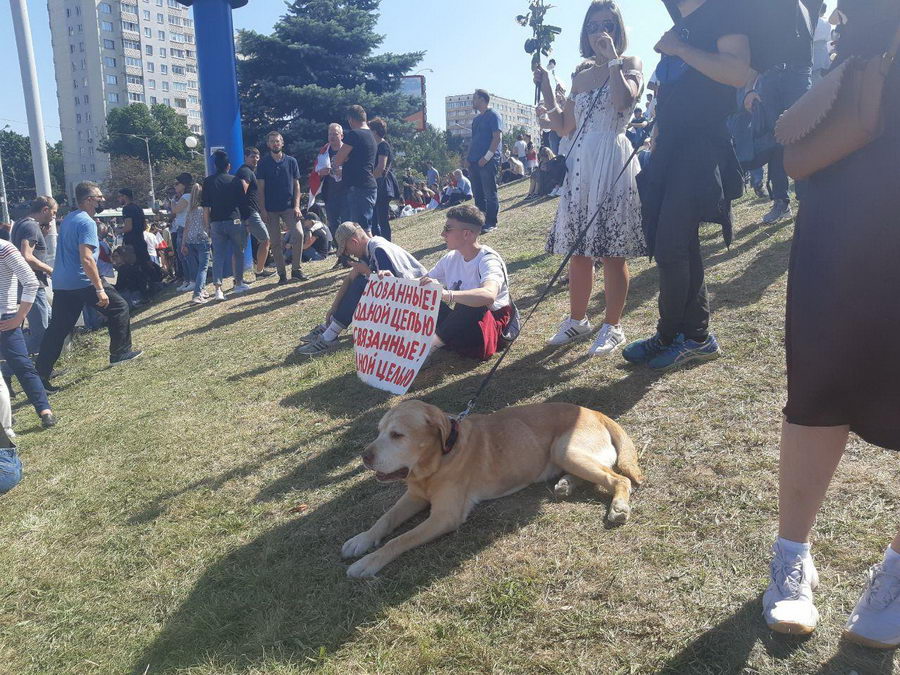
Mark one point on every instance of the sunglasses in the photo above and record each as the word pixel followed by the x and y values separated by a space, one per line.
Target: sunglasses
pixel 447 229
pixel 594 27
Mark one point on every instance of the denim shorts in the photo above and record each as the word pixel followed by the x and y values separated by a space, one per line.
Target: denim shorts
pixel 10 469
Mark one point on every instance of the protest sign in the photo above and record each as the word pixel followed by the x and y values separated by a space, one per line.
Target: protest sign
pixel 393 326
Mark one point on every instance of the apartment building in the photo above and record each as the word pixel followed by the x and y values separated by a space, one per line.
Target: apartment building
pixel 515 114
pixel 111 53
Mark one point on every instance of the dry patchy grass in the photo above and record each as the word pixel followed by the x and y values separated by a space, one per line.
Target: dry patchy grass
pixel 153 532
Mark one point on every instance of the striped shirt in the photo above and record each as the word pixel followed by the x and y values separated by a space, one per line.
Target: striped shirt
pixel 14 270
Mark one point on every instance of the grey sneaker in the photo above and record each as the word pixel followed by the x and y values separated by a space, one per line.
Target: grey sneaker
pixel 316 347
pixel 788 602
pixel 781 210
pixel 875 621
pixel 314 333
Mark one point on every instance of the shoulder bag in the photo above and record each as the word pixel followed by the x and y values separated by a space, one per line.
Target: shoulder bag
pixel 840 115
pixel 514 326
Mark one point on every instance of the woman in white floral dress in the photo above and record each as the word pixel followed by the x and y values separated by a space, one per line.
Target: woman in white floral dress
pixel 602 100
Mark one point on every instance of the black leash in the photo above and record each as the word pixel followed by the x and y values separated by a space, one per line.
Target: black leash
pixel 581 235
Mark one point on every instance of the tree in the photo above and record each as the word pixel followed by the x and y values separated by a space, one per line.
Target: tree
pixel 161 125
pixel 413 149
pixel 128 172
pixel 18 169
pixel 318 61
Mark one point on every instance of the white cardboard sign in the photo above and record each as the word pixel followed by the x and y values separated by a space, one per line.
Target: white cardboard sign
pixel 393 326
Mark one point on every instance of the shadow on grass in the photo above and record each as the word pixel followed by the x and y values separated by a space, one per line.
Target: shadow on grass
pixel 726 647
pixel 851 657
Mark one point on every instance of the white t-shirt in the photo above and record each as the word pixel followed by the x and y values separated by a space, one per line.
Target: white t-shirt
pixel 181 218
pixel 521 147
pixel 150 240
pixel 457 274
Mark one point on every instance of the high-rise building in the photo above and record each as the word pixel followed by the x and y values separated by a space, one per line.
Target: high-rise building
pixel 111 53
pixel 460 113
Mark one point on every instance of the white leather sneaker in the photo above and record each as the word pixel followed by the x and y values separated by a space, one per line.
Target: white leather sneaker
pixel 569 331
pixel 219 294
pixel 875 621
pixel 788 602
pixel 609 338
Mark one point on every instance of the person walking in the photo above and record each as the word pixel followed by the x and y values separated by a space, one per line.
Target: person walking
pixel 249 208
pixel 694 174
pixel 278 180
pixel 388 188
pixel 222 219
pixel 484 157
pixel 595 198
pixel 27 236
pixel 76 282
pixel 842 286
pixel 14 271
pixel 195 248
pixel 356 160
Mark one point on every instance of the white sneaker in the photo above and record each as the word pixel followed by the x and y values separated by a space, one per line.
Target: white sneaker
pixel 240 288
pixel 571 330
pixel 875 621
pixel 10 433
pixel 219 294
pixel 788 602
pixel 609 338
pixel 199 300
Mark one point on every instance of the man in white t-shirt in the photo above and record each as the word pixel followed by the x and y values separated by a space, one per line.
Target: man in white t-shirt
pixel 520 148
pixel 475 284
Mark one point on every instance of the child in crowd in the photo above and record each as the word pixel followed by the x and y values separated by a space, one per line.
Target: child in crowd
pixel 475 284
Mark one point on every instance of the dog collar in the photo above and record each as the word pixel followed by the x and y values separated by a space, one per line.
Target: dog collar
pixel 453 437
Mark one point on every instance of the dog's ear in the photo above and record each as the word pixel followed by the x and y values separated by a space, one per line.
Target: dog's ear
pixel 438 420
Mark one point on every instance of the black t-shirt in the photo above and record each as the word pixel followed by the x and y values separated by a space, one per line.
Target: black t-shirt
pixel 248 202
pixel 780 32
pixel 357 170
pixel 29 230
pixel 135 238
pixel 693 101
pixel 384 148
pixel 221 197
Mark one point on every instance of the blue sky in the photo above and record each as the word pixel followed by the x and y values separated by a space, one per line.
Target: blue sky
pixel 469 44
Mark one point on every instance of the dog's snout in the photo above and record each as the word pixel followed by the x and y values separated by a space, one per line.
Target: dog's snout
pixel 368 457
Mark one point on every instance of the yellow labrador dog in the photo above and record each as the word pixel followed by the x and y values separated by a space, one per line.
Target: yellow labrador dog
pixel 452 466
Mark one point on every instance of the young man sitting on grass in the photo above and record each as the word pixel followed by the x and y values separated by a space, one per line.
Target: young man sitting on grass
pixel 476 283
pixel 372 254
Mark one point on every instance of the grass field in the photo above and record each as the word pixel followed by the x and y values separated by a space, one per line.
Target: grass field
pixel 187 514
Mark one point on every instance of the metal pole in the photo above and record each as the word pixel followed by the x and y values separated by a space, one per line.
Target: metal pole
pixel 150 166
pixel 4 209
pixel 22 28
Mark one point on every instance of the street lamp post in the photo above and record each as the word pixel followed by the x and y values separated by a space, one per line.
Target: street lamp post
pixel 149 164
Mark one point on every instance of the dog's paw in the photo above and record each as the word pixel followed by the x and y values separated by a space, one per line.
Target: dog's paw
pixel 618 512
pixel 564 487
pixel 358 545
pixel 364 568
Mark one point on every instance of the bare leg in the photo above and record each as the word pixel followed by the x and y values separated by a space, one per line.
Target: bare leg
pixel 616 279
pixel 262 254
pixel 809 458
pixel 581 281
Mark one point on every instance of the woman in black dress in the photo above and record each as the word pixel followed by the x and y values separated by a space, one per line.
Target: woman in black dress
pixel 387 184
pixel 843 359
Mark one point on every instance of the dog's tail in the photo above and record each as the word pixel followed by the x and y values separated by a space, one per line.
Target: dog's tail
pixel 627 462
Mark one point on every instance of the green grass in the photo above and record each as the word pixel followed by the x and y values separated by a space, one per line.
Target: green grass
pixel 153 531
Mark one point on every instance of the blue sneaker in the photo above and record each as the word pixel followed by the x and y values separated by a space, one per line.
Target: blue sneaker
pixel 683 351
pixel 644 351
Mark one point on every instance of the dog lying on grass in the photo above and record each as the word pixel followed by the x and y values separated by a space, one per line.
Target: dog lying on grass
pixel 452 466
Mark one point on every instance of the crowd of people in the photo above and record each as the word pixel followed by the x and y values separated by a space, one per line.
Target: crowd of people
pixel 636 172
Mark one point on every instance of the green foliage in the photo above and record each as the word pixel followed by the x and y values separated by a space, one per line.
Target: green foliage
pixel 318 61
pixel 18 169
pixel 412 149
pixel 161 125
pixel 543 35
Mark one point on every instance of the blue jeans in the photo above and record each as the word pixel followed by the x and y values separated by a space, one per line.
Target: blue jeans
pixel 347 306
pixel 780 88
pixel 312 255
pixel 179 257
pixel 10 468
pixel 38 320
pixel 12 346
pixel 225 232
pixel 198 254
pixel 756 177
pixel 359 206
pixel 484 189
